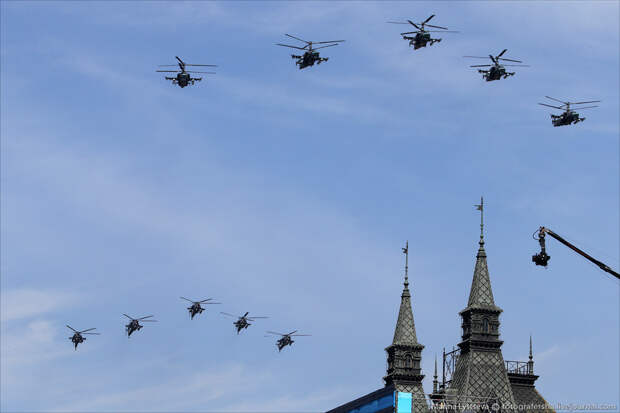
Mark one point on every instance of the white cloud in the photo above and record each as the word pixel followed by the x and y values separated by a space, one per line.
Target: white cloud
pixel 28 303
pixel 193 391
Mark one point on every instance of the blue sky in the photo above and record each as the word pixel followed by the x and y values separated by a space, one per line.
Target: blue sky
pixel 289 193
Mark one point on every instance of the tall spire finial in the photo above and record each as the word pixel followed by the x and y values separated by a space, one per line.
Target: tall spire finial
pixel 530 363
pixel 406 252
pixel 435 381
pixel 481 209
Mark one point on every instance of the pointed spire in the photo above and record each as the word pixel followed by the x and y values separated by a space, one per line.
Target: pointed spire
pixel 405 327
pixel 406 252
pixel 481 209
pixel 435 381
pixel 481 294
pixel 530 363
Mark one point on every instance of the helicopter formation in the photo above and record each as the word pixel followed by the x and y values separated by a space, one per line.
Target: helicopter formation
pixel 419 38
pixel 242 322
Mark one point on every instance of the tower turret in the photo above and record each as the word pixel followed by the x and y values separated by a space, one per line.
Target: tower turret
pixel 404 355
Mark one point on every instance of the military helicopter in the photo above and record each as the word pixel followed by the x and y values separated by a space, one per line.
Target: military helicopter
pixel 310 56
pixel 77 336
pixel 196 308
pixel 134 324
pixel 183 77
pixel 496 71
pixel 422 37
pixel 286 338
pixel 243 321
pixel 569 116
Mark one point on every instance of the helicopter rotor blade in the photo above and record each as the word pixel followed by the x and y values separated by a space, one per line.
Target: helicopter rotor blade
pixel 189 64
pixel 72 328
pixel 323 47
pixel 415 25
pixel 193 71
pixel 509 60
pixel 147 316
pixel 131 318
pixel 97 334
pixel 294 47
pixel 204 301
pixel 500 55
pixel 442 31
pixel 210 303
pixel 253 318
pixel 167 65
pixel 292 332
pixel 582 103
pixel 551 106
pixel 437 27
pixel 398 22
pixel 273 332
pixel 478 57
pixel 297 38
pixel 427 20
pixel 89 329
pixel 180 61
pixel 230 315
pixel 330 41
pixel 301 335
pixel 557 100
pixel 480 65
pixel 587 107
pixel 187 299
pixel 168 71
pixel 417 31
pixel 150 321
pixel 516 65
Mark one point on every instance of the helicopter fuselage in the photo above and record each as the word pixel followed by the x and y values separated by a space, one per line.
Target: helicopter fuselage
pixel 134 325
pixel 77 339
pixel 496 72
pixel 567 118
pixel 195 309
pixel 284 341
pixel 420 40
pixel 241 324
pixel 309 58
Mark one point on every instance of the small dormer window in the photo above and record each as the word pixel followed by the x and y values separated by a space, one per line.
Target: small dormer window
pixel 408 361
pixel 485 325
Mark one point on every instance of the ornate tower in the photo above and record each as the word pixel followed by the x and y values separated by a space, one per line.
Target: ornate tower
pixel 405 353
pixel 480 373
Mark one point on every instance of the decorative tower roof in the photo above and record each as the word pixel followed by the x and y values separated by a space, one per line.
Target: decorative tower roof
pixel 481 294
pixel 405 353
pixel 405 326
pixel 480 374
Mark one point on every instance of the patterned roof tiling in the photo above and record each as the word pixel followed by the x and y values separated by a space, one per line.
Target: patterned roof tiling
pixel 481 294
pixel 405 327
pixel 531 401
pixel 479 374
pixel 419 401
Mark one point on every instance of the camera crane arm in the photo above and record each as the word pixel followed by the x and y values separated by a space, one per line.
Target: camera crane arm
pixel 542 258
